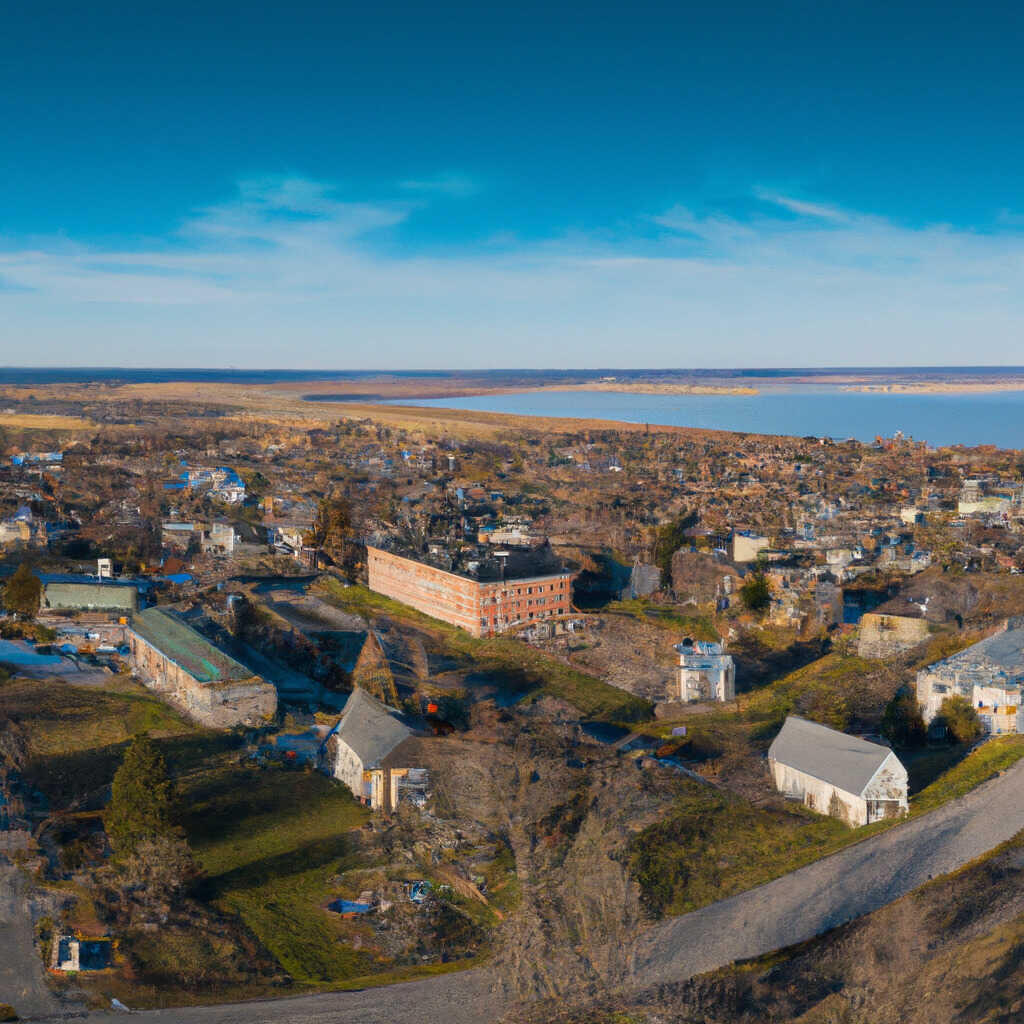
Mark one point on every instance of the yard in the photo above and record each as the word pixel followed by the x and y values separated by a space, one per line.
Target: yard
pixel 76 734
pixel 714 843
pixel 269 841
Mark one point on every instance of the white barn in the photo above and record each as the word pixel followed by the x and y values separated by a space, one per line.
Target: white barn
pixel 836 774
pixel 369 750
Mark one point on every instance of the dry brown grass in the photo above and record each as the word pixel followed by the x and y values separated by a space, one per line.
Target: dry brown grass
pixel 283 403
pixel 42 421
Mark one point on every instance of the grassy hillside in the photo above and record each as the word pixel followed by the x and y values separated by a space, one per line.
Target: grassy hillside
pixel 269 841
pixel 529 670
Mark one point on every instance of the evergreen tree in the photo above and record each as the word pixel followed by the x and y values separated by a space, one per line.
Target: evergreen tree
pixel 902 722
pixel 756 592
pixel 141 797
pixel 24 592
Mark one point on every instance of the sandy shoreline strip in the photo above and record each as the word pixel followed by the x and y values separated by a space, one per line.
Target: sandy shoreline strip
pixel 937 387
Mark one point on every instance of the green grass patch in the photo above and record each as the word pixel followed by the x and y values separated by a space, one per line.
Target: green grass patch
pixel 821 690
pixel 76 734
pixel 66 719
pixel 530 670
pixel 982 764
pixel 714 844
pixel 699 626
pixel 270 840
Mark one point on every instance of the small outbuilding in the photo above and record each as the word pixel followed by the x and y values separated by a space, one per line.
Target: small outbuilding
pixel 833 773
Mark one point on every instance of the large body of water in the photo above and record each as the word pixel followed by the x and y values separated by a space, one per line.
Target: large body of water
pixel 995 417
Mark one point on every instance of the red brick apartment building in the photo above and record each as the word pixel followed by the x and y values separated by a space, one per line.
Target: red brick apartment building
pixel 481 607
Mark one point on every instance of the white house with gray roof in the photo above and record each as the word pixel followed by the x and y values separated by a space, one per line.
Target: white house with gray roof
pixel 990 674
pixel 830 772
pixel 371 751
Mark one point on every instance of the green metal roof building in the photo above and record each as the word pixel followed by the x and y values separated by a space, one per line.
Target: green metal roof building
pixel 112 597
pixel 180 643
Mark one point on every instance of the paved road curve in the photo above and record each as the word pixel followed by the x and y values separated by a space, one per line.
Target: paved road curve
pixel 791 909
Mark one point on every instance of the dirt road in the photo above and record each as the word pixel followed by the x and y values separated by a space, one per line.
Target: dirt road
pixel 791 909
pixel 22 984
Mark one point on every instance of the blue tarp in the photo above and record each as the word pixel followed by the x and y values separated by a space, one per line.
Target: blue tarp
pixel 349 907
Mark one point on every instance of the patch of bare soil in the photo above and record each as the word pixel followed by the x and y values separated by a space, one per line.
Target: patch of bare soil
pixel 950 953
pixel 630 654
pixel 566 809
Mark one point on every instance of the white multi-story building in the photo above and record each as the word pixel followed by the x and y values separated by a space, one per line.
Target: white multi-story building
pixel 706 672
pixel 989 674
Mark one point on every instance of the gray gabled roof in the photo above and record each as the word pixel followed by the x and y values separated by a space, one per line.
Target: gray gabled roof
pixel 1003 650
pixel 370 728
pixel 843 761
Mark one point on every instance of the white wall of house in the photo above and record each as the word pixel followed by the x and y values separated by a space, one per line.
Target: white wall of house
pixel 347 767
pixel 816 794
pixel 888 786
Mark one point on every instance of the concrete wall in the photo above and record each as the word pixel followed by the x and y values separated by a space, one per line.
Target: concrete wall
pixel 818 795
pixel 882 636
pixel 346 766
pixel 479 608
pixel 218 705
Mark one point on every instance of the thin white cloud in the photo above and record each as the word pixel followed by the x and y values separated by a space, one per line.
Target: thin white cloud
pixel 285 273
pixel 804 208
pixel 448 183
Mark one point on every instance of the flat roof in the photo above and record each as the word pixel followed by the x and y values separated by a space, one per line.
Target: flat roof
pixel 518 565
pixel 179 642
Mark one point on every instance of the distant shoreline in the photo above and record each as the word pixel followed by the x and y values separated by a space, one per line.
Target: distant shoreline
pixel 652 388
pixel 936 387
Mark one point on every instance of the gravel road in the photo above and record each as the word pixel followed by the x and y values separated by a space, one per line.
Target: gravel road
pixel 791 909
pixel 829 892
pixel 22 983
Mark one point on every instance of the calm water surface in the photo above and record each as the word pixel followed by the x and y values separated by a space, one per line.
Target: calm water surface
pixel 941 419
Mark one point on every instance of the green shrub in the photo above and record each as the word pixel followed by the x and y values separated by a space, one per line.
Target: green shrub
pixel 960 719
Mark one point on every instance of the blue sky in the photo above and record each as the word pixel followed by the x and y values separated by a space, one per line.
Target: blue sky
pixel 449 185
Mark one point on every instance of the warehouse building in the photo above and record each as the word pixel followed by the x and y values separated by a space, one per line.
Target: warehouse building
pixel 89 595
pixel 209 686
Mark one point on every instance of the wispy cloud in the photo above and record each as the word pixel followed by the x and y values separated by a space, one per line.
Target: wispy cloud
pixel 288 272
pixel 448 183
pixel 803 208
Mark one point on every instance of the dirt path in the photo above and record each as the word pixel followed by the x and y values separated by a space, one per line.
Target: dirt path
pixel 22 983
pixel 791 909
